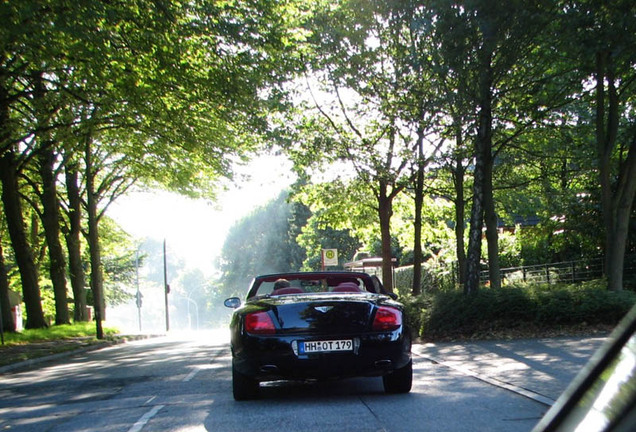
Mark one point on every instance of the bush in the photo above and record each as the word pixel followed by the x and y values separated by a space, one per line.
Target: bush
pixel 522 309
pixel 416 311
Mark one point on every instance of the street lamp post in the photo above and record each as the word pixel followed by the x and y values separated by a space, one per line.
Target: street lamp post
pixel 196 307
pixel 138 297
pixel 166 287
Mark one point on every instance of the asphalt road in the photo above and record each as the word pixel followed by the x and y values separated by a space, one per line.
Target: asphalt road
pixel 184 384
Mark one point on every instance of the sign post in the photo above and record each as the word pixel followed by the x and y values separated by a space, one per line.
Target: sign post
pixel 329 258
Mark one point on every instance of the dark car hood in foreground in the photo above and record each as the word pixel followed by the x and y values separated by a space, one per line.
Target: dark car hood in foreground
pixel 323 313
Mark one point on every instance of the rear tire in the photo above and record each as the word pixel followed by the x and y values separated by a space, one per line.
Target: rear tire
pixel 243 387
pixel 400 380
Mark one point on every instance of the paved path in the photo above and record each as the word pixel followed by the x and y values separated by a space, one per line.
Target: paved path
pixel 544 367
pixel 169 384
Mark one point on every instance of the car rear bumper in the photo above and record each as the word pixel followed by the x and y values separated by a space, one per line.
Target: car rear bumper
pixel 268 358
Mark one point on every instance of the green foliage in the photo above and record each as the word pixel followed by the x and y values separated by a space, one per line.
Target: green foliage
pixel 535 245
pixel 47 298
pixel 172 93
pixel 317 235
pixel 118 258
pixel 524 308
pixel 165 93
pixel 262 242
pixel 437 235
pixel 341 204
pixel 509 250
pixel 436 276
pixel 417 310
pixel 65 331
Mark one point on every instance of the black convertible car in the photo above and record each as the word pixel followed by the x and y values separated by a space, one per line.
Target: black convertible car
pixel 318 325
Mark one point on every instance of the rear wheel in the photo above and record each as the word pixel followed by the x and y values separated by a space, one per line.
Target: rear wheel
pixel 243 387
pixel 400 380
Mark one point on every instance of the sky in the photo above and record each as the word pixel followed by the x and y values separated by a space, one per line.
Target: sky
pixel 195 229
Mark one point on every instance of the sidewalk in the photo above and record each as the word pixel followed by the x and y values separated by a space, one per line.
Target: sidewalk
pixel 24 356
pixel 536 368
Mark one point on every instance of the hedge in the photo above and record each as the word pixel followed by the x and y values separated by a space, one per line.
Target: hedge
pixel 516 308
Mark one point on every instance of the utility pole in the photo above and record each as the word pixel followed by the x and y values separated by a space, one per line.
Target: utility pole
pixel 165 285
pixel 138 291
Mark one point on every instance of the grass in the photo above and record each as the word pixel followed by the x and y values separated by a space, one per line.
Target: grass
pixel 57 332
pixel 34 343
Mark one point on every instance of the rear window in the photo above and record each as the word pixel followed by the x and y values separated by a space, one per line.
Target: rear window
pixel 291 286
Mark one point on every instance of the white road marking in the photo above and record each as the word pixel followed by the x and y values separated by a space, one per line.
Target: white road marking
pixel 138 426
pixel 191 375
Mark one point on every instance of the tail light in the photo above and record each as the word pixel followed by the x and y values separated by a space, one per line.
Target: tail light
pixel 387 318
pixel 259 323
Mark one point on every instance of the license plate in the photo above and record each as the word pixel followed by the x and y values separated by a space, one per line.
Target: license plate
pixel 310 347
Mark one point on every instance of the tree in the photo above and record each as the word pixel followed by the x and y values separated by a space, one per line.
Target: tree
pixel 604 48
pixel 499 43
pixel 29 97
pixel 439 58
pixel 73 235
pixel 179 88
pixel 15 225
pixel 318 234
pixel 50 214
pixel 368 101
pixel 9 169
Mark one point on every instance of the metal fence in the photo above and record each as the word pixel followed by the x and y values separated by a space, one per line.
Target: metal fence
pixel 442 276
pixel 561 272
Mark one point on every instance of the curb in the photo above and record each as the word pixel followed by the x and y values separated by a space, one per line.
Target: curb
pixel 537 397
pixel 27 364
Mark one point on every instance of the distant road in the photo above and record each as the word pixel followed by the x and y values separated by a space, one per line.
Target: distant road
pixel 177 384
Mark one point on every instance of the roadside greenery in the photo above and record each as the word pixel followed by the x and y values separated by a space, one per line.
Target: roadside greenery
pixel 469 103
pixel 96 98
pixel 518 310
pixel 84 330
pixel 35 343
pixel 425 131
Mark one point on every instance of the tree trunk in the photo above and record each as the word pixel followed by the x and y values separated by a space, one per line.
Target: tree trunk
pixel 7 318
pixel 490 218
pixel 460 208
pixel 21 248
pixel 603 148
pixel 417 223
pixel 8 323
pixel 417 238
pixel 73 243
pixel 45 158
pixel 622 203
pixel 473 267
pixel 385 210
pixel 616 199
pixel 51 223
pixel 483 145
pixel 93 242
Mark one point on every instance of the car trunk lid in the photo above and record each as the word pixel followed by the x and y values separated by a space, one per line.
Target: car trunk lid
pixel 323 314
